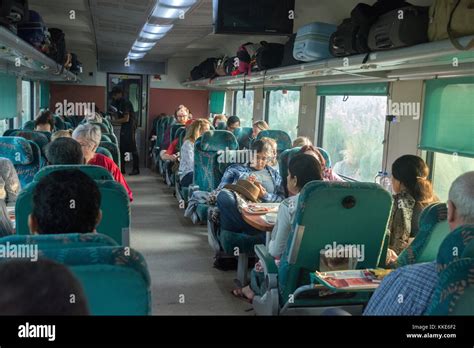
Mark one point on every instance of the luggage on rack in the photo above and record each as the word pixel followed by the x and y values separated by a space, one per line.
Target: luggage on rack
pixel 57 49
pixel 402 27
pixel 269 55
pixel 288 58
pixel 247 60
pixel 451 19
pixel 12 13
pixel 312 41
pixel 206 69
pixel 231 65
pixel 34 31
pixel 76 65
pixel 220 66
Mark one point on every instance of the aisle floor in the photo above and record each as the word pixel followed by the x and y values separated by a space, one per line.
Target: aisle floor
pixel 180 260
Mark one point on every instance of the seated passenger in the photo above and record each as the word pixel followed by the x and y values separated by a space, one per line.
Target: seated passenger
pixel 301 170
pixel 88 136
pixel 6 227
pixel 186 164
pixel 267 180
pixel 233 122
pixel 45 122
pixel 256 129
pixel 408 290
pixel 273 144
pixel 41 288
pixel 65 201
pixel 219 119
pixel 9 182
pixel 64 151
pixel 181 116
pixel 301 141
pixel 61 134
pixel 412 193
pixel 328 173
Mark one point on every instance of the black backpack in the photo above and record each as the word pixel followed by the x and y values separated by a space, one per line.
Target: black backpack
pixel 270 55
pixel 288 58
pixel 12 13
pixel 207 69
pixel 76 65
pixel 57 50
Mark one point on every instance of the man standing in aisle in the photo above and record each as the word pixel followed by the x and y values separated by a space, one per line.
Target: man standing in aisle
pixel 126 118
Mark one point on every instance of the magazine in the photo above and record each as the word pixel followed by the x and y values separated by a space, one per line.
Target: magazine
pixel 262 208
pixel 351 280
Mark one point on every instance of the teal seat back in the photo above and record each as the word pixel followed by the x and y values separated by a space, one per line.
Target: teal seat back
pixel 94 172
pixel 174 128
pixel 221 125
pixel 233 157
pixel 103 128
pixel 207 150
pixel 59 123
pixel 433 229
pixel 180 134
pixel 29 125
pixel 105 137
pixel 469 250
pixel 326 156
pixel 59 241
pixel 39 138
pixel 454 293
pixel 163 126
pixel 115 206
pixel 114 151
pixel 108 125
pixel 105 152
pixel 243 137
pixel 25 156
pixel 328 213
pixel 115 280
pixel 282 139
pixel 453 246
pixel 284 160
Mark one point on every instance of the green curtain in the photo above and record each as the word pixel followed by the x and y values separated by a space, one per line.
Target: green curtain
pixel 7 96
pixel 216 102
pixel 289 88
pixel 448 119
pixel 44 95
pixel 379 89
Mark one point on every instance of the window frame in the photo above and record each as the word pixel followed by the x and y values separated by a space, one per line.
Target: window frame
pixel 266 114
pixel 234 103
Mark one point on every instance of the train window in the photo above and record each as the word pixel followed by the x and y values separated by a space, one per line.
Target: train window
pixel 283 108
pixel 243 107
pixel 4 125
pixel 26 101
pixel 446 169
pixel 353 134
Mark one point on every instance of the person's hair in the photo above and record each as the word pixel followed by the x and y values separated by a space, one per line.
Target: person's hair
pixel 261 146
pixel 61 134
pixel 66 201
pixel 262 125
pixel 301 141
pixel 28 135
pixel 413 173
pixel 89 132
pixel 274 146
pixel 41 288
pixel 231 120
pixel 461 194
pixel 194 130
pixel 64 151
pixel 45 117
pixel 117 90
pixel 219 118
pixel 94 117
pixel 314 149
pixel 180 107
pixel 305 168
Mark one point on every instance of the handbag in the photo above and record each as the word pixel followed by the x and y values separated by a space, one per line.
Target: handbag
pixel 452 19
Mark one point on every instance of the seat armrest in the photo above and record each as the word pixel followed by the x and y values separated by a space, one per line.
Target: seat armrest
pixel 267 260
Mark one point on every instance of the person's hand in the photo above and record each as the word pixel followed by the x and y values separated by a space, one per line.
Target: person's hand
pixel 391 256
pixel 174 157
pixel 252 178
pixel 153 138
pixel 263 192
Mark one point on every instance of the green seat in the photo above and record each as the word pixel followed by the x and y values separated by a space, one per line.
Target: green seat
pixel 59 241
pixel 327 213
pixel 103 128
pixel 163 126
pixel 433 229
pixel 105 152
pixel 95 172
pixel 29 125
pixel 59 123
pixel 39 138
pixel 115 280
pixel 114 151
pixel 243 136
pixel 282 139
pixel 115 206
pixel 105 137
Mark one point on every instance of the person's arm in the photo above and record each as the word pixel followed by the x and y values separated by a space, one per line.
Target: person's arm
pixel 281 231
pixel 122 120
pixel 118 177
pixel 230 176
pixel 279 193
pixel 12 184
pixel 170 154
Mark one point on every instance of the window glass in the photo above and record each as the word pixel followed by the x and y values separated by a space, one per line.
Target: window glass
pixel 283 110
pixel 244 107
pixel 353 134
pixel 26 101
pixel 446 169
pixel 3 126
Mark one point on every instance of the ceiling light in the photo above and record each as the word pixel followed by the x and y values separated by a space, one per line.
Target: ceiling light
pixel 132 55
pixel 178 3
pixel 156 29
pixel 141 49
pixel 168 12
pixel 151 36
pixel 144 44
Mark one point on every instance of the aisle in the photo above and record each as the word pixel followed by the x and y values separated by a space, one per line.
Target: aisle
pixel 178 255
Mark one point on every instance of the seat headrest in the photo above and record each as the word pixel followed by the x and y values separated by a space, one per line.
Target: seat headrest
pixel 94 172
pixel 217 140
pixel 18 150
pixel 281 137
pixel 453 246
pixel 38 137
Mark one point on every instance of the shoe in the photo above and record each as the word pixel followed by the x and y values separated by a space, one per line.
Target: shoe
pixel 135 172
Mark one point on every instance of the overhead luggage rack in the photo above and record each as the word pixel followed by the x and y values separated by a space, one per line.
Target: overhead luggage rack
pixel 19 57
pixel 424 61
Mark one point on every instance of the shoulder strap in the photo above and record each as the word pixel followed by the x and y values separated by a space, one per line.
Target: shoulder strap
pixel 454 40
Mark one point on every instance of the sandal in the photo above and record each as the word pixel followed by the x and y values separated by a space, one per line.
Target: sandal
pixel 240 295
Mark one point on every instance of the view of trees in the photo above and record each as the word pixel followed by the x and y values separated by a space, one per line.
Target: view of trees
pixel 446 169
pixel 354 133
pixel 244 107
pixel 283 111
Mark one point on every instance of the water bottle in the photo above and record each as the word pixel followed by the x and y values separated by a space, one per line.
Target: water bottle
pixel 386 182
pixel 378 177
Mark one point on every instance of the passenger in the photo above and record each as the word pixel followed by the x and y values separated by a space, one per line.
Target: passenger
pixel 88 136
pixel 61 134
pixel 93 117
pixel 415 283
pixel 258 127
pixel 6 228
pixel 45 122
pixel 301 170
pixel 186 164
pixel 39 288
pixel 301 141
pixel 273 144
pixel 233 122
pixel 9 182
pixel 328 173
pixel 181 116
pixel 219 119
pixel 259 172
pixel 412 193
pixel 64 151
pixel 65 201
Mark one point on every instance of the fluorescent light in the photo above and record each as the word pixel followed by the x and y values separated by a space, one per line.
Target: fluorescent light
pixel 132 55
pixel 141 49
pixel 156 29
pixel 144 44
pixel 178 3
pixel 151 36
pixel 168 12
